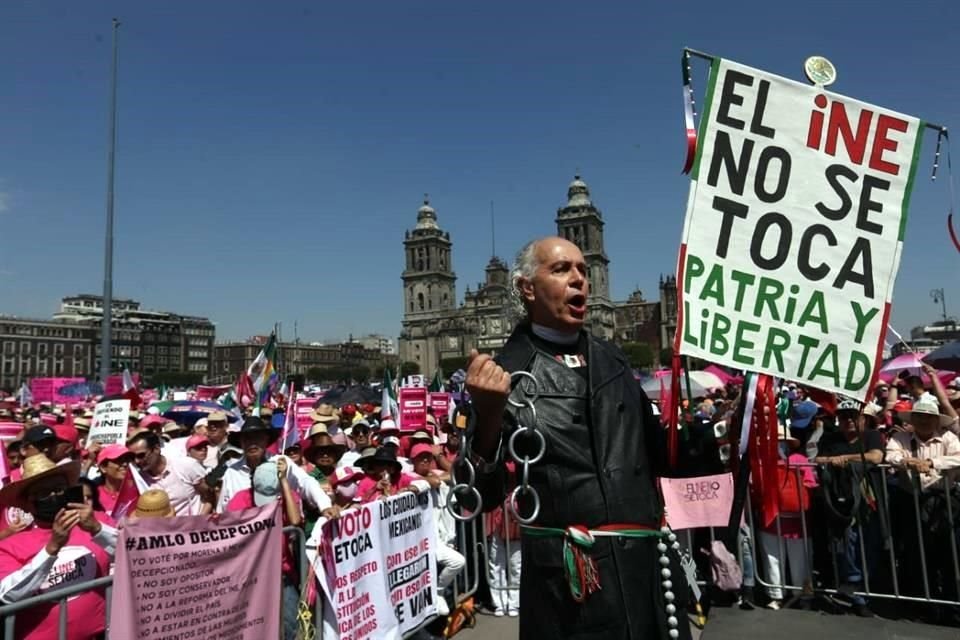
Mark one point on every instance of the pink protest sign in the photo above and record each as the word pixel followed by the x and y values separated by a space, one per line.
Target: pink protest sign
pixel 698 502
pixel 199 577
pixel 440 403
pixel 413 408
pixel 48 389
pixel 303 412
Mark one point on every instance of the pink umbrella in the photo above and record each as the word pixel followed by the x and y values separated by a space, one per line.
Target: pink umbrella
pixel 905 361
pixel 944 376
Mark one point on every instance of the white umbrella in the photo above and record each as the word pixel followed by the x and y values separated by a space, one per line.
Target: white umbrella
pixel 701 382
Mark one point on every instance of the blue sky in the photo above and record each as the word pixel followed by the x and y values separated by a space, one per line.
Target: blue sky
pixel 271 154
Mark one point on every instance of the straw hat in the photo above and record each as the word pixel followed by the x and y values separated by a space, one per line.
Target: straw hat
pixel 325 413
pixel 154 503
pixel 35 469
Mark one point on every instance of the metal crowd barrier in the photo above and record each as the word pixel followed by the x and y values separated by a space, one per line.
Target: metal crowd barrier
pixel 890 528
pixel 8 612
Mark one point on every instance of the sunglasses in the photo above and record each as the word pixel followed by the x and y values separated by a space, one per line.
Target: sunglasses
pixel 326 451
pixel 142 455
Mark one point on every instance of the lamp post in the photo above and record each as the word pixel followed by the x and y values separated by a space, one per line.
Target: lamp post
pixel 106 327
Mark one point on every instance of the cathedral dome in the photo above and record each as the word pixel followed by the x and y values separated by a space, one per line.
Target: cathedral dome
pixel 578 193
pixel 426 216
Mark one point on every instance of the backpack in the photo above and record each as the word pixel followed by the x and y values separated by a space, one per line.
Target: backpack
pixel 724 570
pixel 842 495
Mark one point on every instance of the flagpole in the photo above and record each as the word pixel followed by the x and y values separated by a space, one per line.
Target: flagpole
pixel 106 326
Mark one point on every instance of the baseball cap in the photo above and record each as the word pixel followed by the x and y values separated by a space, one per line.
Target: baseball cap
pixel 394 440
pixel 112 452
pixel 196 441
pixel 348 410
pixel 803 414
pixel 420 449
pixel 39 433
pixel 266 485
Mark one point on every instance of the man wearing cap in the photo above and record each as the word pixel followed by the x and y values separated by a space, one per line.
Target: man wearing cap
pixel 348 413
pixel 269 483
pixel 602 453
pixel 180 477
pixel 253 438
pixel 67 547
pixel 926 450
pixel 931 453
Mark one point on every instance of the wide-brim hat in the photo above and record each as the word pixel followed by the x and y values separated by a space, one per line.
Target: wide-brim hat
pixel 370 454
pixel 37 468
pixel 311 447
pixel 253 425
pixel 154 503
pixel 325 413
pixel 926 408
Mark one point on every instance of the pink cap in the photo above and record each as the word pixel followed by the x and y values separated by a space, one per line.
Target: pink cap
pixel 67 433
pixel 420 449
pixel 196 441
pixel 343 474
pixel 111 452
pixel 152 420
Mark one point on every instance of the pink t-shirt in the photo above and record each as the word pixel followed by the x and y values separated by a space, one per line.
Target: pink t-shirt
pixel 367 488
pixel 80 560
pixel 244 500
pixel 108 500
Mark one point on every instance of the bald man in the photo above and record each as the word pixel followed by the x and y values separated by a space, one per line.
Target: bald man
pixel 598 472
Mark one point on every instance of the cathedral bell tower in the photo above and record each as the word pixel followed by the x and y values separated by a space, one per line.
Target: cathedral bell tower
pixel 429 287
pixel 581 223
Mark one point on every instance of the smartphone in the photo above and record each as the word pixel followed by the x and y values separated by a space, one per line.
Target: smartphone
pixel 73 495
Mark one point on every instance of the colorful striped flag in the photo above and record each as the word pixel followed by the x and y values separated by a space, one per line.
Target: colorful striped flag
pixel 262 373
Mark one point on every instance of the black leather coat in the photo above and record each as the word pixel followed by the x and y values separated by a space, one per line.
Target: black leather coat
pixel 603 446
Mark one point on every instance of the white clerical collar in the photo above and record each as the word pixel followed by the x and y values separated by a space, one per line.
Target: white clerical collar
pixel 553 335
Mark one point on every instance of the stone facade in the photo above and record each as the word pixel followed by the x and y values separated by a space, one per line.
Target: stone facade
pixel 436 329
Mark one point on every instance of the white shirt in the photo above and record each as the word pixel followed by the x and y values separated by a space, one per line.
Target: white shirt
pixel 942 450
pixel 237 478
pixel 179 479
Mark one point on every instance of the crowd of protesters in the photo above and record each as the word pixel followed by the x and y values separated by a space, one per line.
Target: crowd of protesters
pixel 62 504
pixel 863 495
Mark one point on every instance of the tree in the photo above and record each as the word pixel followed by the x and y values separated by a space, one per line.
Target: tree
pixel 409 369
pixel 666 356
pixel 449 365
pixel 639 354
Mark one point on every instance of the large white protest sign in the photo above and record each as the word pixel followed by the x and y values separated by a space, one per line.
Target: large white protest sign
pixel 377 568
pixel 794 229
pixel 109 425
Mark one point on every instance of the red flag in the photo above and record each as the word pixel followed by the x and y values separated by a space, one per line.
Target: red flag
pixel 673 426
pixel 128 496
pixel 826 400
pixel 764 454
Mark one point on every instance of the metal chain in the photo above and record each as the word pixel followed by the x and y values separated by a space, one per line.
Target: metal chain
pixel 524 487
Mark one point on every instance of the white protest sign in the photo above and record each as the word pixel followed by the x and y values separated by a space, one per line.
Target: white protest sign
pixel 377 568
pixel 794 228
pixel 109 425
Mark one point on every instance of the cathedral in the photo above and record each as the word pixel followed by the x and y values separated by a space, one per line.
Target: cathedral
pixel 436 328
